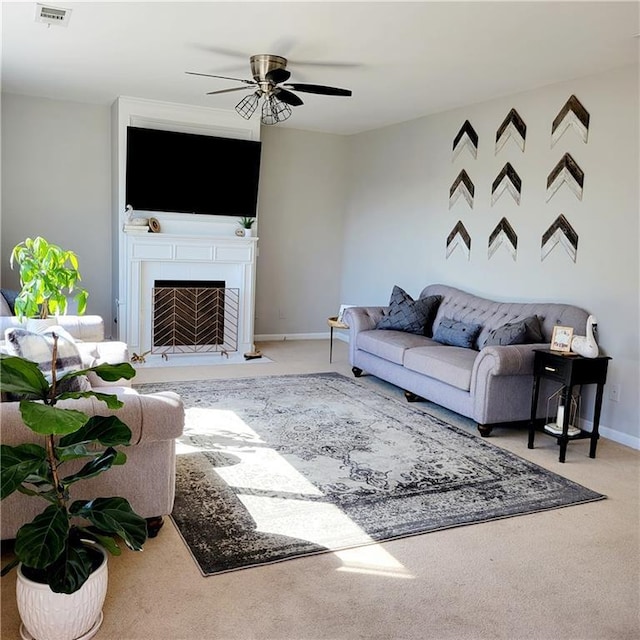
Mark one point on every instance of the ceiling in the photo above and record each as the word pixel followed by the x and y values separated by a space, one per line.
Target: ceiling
pixel 402 60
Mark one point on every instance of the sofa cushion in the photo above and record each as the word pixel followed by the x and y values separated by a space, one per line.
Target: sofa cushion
pixel 457 334
pixel 390 344
pixel 525 331
pixel 452 365
pixel 407 314
pixel 38 348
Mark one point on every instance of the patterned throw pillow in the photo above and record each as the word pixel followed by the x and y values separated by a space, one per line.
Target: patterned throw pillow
pixel 8 301
pixel 38 347
pixel 527 331
pixel 407 314
pixel 457 334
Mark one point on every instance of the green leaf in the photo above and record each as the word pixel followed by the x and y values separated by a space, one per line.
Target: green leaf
pixel 114 515
pixel 113 372
pixel 17 464
pixel 41 541
pixel 22 377
pixel 47 420
pixel 93 468
pixel 109 431
pixel 107 542
pixel 109 399
pixel 71 568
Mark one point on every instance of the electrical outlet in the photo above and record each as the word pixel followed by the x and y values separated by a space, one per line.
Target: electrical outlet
pixel 282 314
pixel 614 393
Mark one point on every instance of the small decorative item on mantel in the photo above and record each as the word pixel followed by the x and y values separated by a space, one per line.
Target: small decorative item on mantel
pixel 133 224
pixel 246 224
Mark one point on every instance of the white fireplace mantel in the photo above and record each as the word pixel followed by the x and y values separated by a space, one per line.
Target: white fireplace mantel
pixel 159 256
pixel 188 246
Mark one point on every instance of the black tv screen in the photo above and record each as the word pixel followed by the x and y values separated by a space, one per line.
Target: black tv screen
pixel 191 173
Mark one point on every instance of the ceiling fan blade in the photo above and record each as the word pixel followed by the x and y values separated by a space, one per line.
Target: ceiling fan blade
pixel 278 75
pixel 288 97
pixel 212 93
pixel 210 75
pixel 319 89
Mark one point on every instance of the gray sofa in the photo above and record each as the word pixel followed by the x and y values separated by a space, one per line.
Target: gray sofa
pixel 492 385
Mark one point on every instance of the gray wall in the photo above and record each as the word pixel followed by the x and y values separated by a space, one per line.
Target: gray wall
pixel 56 183
pixel 303 182
pixel 398 215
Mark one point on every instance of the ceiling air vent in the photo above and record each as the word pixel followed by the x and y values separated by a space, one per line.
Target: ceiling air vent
pixel 52 15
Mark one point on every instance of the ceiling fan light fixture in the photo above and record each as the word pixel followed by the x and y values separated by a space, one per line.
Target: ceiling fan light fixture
pixel 274 111
pixel 248 105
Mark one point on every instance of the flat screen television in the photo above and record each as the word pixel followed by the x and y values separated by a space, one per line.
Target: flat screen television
pixel 190 173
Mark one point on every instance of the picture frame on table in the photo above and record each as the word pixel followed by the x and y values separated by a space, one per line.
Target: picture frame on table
pixel 561 339
pixel 343 308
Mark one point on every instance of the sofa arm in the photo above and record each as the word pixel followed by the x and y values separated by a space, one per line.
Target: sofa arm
pixel 88 328
pixel 361 319
pixel 511 360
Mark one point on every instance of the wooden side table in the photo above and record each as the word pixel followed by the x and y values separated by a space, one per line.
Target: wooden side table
pixel 570 370
pixel 334 324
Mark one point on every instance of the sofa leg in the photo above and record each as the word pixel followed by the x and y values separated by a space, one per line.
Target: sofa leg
pixel 154 525
pixel 485 430
pixel 357 372
pixel 412 397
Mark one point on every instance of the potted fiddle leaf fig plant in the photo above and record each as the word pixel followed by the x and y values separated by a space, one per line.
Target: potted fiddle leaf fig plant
pixel 60 554
pixel 47 275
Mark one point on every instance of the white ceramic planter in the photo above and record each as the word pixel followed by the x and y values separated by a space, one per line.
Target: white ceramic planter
pixel 59 616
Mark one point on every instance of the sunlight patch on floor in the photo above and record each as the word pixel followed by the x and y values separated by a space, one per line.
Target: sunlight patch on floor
pixel 280 499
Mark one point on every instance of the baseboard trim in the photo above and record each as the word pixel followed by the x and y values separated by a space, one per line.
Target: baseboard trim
pixel 290 336
pixel 613 434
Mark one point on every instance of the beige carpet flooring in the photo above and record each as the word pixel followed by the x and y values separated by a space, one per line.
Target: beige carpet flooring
pixel 572 573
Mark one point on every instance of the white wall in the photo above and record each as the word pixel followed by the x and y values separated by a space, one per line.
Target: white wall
pixel 303 182
pixel 56 183
pixel 398 216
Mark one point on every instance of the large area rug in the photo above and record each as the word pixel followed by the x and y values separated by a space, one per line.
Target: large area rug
pixel 273 468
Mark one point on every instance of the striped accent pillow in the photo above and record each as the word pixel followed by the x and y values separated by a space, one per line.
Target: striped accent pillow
pixel 38 347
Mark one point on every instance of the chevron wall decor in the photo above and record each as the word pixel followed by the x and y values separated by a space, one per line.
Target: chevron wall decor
pixel 466 138
pixel 503 235
pixel 567 172
pixel 572 115
pixel 459 237
pixel 461 185
pixel 512 127
pixel 507 179
pixel 560 233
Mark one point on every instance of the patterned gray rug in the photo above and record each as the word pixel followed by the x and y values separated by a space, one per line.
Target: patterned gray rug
pixel 273 468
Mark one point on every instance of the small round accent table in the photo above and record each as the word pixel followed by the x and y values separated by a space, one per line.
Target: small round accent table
pixel 334 323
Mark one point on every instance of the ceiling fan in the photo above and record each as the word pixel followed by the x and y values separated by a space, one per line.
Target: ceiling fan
pixel 270 78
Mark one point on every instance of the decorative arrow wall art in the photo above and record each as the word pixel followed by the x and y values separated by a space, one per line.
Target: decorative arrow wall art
pixel 566 171
pixel 459 237
pixel 512 127
pixel 560 233
pixel 507 179
pixel 461 185
pixel 573 115
pixel 466 138
pixel 503 235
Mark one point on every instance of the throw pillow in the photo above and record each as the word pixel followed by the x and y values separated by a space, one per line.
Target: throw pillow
pixel 407 314
pixel 527 331
pixel 38 347
pixel 457 334
pixel 9 297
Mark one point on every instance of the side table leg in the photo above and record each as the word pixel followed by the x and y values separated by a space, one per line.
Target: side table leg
pixel 331 346
pixel 595 432
pixel 564 438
